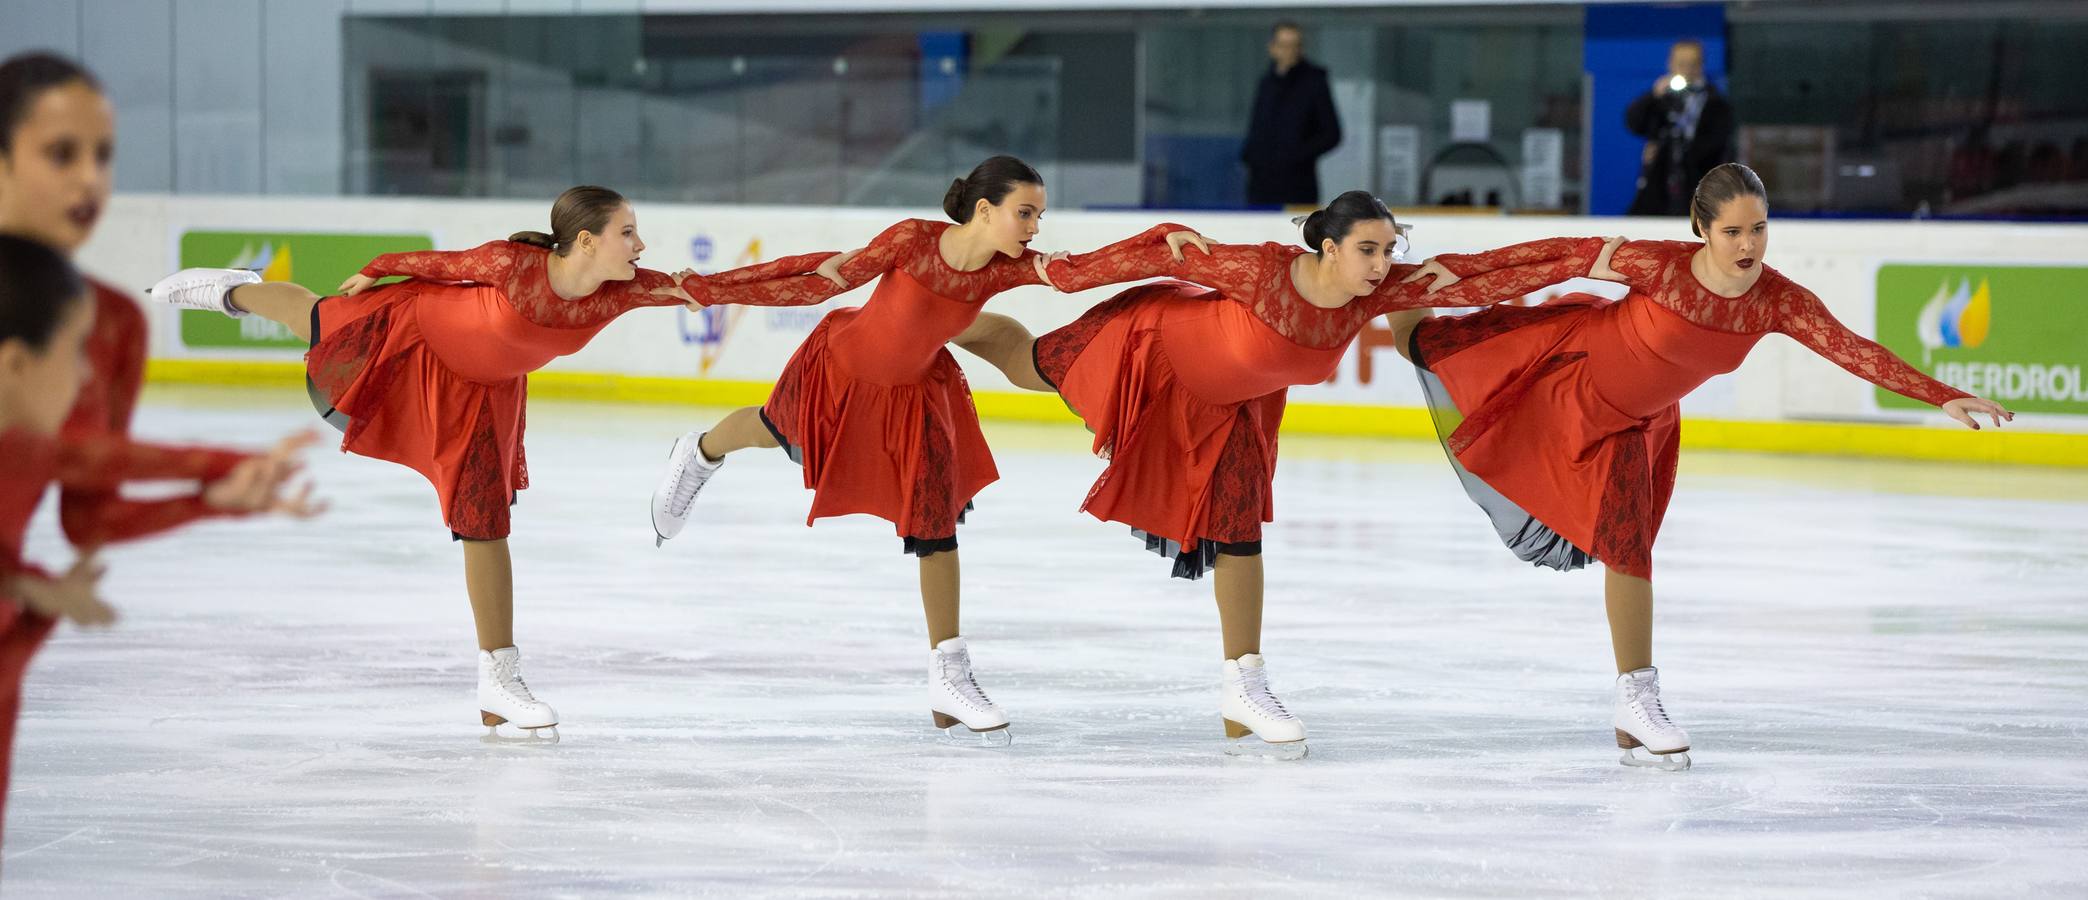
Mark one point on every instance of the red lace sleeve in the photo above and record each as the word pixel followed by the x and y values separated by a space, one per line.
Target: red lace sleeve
pixel 797 290
pixel 1238 271
pixel 1007 272
pixel 779 282
pixel 1800 314
pixel 889 250
pixel 1136 258
pixel 493 264
pixel 1646 264
pixel 784 267
pixel 1546 250
pixel 648 288
pixel 99 463
pixel 1494 276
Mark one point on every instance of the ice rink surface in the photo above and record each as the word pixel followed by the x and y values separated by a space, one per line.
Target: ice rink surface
pixel 1883 667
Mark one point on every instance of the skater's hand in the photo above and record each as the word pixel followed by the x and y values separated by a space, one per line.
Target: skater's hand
pixel 1964 408
pixel 831 269
pixel 1043 263
pixel 71 597
pixel 680 292
pixel 256 485
pixel 1176 239
pixel 675 290
pixel 1429 267
pixel 356 284
pixel 1601 269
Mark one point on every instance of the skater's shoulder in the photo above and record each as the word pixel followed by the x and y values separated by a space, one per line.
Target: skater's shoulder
pixel 913 229
pixel 115 312
pixel 114 305
pixel 507 247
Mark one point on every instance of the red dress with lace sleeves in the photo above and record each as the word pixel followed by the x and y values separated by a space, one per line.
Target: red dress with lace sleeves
pixel 1563 419
pixel 874 407
pixel 432 373
pixel 1184 386
pixel 116 371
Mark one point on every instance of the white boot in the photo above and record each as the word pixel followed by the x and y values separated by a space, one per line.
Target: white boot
pixel 1642 723
pixel 205 289
pixel 687 471
pixel 954 697
pixel 503 698
pixel 1249 707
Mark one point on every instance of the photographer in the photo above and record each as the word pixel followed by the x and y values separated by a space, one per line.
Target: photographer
pixel 1688 126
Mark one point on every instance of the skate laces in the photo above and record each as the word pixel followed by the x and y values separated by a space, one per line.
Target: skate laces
pixel 1646 697
pixel 510 677
pixel 1254 682
pixel 957 672
pixel 687 482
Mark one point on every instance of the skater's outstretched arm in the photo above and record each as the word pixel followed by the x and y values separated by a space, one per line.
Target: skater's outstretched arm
pixel 494 264
pixel 1494 276
pixel 1642 264
pixel 230 483
pixel 1538 252
pixel 1802 316
pixel 1156 252
pixel 760 285
pixel 784 267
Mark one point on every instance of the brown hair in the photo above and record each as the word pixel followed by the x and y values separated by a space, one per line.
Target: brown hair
pixel 26 77
pixel 583 208
pixel 1719 187
pixel 1333 223
pixel 38 286
pixel 990 181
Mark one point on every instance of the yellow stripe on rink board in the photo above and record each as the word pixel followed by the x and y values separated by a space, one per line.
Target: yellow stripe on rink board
pixel 1812 438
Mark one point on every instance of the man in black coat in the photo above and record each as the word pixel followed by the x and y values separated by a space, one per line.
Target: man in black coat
pixel 1293 125
pixel 1688 126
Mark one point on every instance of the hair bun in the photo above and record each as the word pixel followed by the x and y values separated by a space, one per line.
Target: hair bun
pixel 953 199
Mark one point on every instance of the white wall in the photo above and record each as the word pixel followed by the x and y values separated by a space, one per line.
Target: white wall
pixel 1837 260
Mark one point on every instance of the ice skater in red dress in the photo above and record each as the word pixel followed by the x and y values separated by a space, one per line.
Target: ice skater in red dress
pixel 1184 387
pixel 432 373
pixel 1562 419
pixel 57 151
pixel 47 317
pixel 876 411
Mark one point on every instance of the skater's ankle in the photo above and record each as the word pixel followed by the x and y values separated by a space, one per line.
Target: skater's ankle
pixel 705 452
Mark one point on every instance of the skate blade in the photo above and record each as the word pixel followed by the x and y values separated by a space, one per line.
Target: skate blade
pixel 960 736
pixel 1665 762
pixel 1256 748
pixel 527 736
pixel 956 732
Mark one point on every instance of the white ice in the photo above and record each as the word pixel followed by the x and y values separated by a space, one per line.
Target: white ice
pixel 1883 665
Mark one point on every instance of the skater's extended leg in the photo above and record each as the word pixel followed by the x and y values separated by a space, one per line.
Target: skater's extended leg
pixel 1009 346
pixel 694 458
